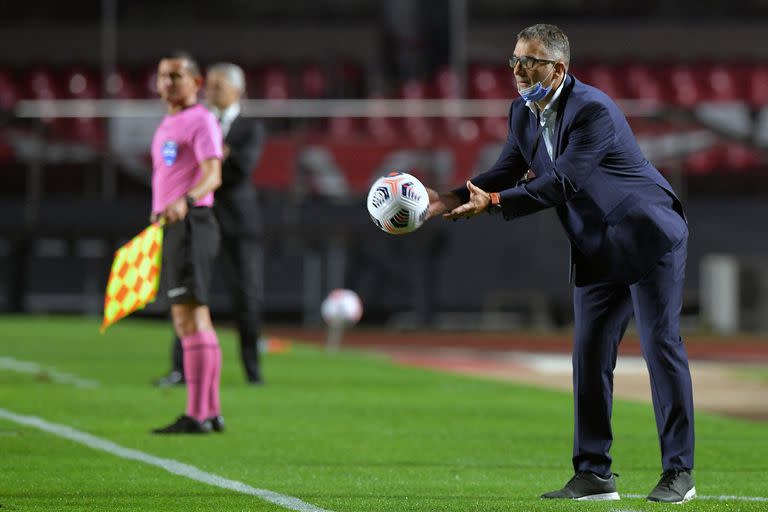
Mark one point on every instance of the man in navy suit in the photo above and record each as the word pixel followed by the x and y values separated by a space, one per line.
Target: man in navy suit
pixel 570 148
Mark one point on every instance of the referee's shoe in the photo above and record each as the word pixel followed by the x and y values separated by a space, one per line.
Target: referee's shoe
pixel 586 486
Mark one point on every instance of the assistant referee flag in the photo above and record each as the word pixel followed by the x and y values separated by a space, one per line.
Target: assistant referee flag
pixel 135 275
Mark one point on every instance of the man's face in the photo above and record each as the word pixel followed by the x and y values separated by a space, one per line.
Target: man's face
pixel 175 83
pixel 219 91
pixel 540 71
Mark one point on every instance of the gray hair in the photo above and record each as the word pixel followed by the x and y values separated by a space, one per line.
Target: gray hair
pixel 233 72
pixel 554 40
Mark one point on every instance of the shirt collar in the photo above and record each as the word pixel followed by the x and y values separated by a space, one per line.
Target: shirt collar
pixel 551 106
pixel 227 115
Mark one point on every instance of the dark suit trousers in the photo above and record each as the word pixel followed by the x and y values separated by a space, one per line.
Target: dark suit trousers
pixel 242 259
pixel 243 263
pixel 602 312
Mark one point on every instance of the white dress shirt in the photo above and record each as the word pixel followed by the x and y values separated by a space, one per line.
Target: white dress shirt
pixel 547 118
pixel 226 117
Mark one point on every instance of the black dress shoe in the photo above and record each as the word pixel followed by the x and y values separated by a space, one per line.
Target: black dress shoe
pixel 258 381
pixel 217 423
pixel 175 378
pixel 675 486
pixel 185 425
pixel 586 486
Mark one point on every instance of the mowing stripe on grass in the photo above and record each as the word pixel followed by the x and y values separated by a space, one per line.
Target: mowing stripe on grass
pixel 15 365
pixel 714 498
pixel 170 465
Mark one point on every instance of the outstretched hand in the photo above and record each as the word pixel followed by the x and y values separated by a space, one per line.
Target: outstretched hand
pixel 439 204
pixel 478 203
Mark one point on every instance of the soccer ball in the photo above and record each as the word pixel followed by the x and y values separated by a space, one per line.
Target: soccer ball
pixel 341 308
pixel 398 203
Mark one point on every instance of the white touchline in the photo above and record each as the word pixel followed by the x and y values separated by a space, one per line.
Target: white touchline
pixel 193 473
pixel 15 365
pixel 170 465
pixel 715 498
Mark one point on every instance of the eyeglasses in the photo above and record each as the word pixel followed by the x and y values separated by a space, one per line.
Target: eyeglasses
pixel 527 62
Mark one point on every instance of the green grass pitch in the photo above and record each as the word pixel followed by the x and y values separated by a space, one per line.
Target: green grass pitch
pixel 350 432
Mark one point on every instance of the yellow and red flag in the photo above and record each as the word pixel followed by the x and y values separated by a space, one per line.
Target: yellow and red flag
pixel 135 275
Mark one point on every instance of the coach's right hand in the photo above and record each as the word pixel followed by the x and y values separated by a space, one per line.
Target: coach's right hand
pixel 441 203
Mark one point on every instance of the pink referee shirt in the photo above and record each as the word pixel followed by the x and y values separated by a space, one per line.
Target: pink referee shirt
pixel 181 142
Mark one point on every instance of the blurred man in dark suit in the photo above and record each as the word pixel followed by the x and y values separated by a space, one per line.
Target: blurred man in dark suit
pixel 238 213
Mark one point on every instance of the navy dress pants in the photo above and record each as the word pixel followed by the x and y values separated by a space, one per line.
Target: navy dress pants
pixel 602 312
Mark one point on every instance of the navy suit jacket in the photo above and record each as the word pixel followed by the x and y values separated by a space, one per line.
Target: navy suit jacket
pixel 619 212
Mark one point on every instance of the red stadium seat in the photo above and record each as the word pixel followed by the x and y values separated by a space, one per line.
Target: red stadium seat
pixel 484 83
pixel 642 83
pixel 147 82
pixel 348 80
pixel 9 92
pixel 688 84
pixel 446 84
pixel 725 82
pixel 313 83
pixel 343 128
pixel 275 82
pixel 414 90
pixel 706 161
pixel 495 128
pixel 80 83
pixel 757 86
pixel 383 129
pixel 738 157
pixel 120 85
pixel 42 84
pixel 607 79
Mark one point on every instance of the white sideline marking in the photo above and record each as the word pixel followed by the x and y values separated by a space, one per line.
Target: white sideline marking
pixel 193 473
pixel 170 465
pixel 713 498
pixel 15 365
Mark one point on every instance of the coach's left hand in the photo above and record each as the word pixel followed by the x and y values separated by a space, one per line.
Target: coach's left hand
pixel 478 203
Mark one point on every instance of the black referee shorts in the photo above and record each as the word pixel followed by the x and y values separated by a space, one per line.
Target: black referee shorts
pixel 189 250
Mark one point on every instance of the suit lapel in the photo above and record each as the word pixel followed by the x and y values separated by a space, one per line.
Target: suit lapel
pixel 567 88
pixel 232 127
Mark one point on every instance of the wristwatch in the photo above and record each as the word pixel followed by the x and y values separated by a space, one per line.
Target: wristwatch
pixel 495 205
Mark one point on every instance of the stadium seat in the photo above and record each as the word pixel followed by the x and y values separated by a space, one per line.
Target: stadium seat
pixel 446 84
pixel 147 82
pixel 382 129
pixel 9 92
pixel 348 80
pixel 42 84
pixel 606 78
pixel 81 83
pixel 343 128
pixel 120 85
pixel 688 84
pixel 724 82
pixel 484 83
pixel 642 83
pixel 739 158
pixel 757 86
pixel 275 82
pixel 706 161
pixel 313 83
